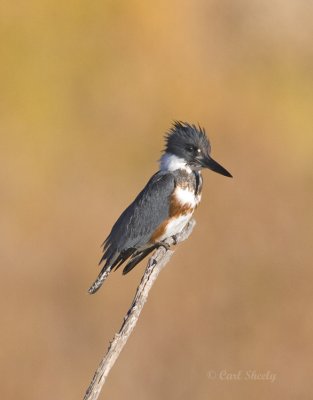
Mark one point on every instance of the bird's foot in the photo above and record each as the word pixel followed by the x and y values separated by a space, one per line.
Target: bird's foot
pixel 174 237
pixel 162 244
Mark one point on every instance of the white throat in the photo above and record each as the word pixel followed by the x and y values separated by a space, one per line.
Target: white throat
pixel 170 162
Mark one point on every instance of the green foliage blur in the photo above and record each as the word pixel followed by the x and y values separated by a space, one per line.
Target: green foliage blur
pixel 87 91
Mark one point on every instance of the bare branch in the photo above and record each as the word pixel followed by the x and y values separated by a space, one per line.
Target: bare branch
pixel 155 264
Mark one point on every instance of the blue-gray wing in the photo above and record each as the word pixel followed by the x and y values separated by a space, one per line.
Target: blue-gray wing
pixel 139 221
pixel 134 228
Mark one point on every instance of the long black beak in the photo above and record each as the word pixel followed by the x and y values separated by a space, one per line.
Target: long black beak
pixel 208 162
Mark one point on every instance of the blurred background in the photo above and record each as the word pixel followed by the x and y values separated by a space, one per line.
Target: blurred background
pixel 88 90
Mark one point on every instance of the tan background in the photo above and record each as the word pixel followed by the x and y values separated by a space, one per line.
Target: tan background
pixel 87 91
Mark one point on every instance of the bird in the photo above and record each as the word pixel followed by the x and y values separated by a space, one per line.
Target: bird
pixel 165 205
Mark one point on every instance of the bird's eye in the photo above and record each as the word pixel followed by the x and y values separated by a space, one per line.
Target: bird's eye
pixel 190 149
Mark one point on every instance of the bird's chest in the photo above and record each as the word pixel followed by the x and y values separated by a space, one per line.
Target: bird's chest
pixel 184 200
pixel 187 193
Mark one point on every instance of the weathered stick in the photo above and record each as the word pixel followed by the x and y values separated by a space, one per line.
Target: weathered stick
pixel 155 264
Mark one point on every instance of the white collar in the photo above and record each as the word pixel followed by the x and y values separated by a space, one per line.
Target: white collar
pixel 170 162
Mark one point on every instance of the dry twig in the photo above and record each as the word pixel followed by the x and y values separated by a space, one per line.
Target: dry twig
pixel 155 264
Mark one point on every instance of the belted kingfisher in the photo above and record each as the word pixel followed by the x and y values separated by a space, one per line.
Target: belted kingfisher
pixel 166 204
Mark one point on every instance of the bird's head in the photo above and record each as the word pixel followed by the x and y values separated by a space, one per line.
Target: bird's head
pixel 187 146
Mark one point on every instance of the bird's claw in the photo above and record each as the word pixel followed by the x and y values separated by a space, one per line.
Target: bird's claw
pixel 174 237
pixel 163 244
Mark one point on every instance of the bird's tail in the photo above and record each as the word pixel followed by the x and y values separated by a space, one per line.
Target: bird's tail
pixel 99 281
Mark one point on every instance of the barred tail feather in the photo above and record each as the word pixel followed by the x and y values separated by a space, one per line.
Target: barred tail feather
pixel 99 281
pixel 115 261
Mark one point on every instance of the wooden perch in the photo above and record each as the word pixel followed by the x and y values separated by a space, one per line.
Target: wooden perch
pixel 155 264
